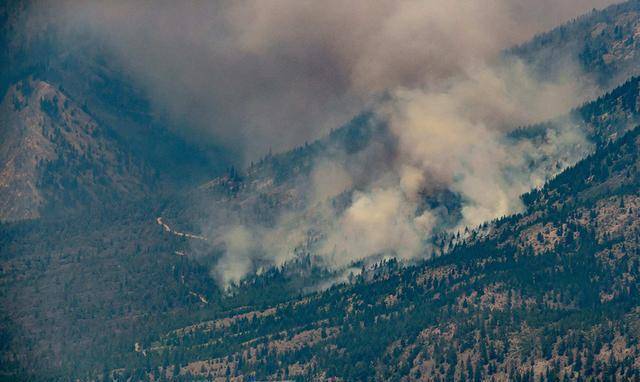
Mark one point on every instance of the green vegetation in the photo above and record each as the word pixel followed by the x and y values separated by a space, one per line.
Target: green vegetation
pixel 95 289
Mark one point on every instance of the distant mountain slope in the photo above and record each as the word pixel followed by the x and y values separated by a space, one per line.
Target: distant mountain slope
pixel 118 108
pixel 120 104
pixel 552 292
pixel 611 115
pixel 53 155
pixel 130 153
pixel 604 44
pixel 284 183
pixel 549 294
pixel 118 256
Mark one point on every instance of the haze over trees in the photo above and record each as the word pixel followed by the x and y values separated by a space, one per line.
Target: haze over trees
pixel 484 230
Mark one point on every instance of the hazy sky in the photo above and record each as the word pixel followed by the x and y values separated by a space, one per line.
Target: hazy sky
pixel 263 74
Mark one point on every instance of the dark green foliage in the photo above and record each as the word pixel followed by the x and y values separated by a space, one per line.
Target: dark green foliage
pixel 552 308
pixel 81 287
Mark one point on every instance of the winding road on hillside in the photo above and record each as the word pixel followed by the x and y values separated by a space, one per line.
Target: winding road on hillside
pixel 167 228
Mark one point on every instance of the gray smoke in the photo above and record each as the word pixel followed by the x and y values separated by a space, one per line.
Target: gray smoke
pixel 261 74
pixel 455 138
pixel 271 74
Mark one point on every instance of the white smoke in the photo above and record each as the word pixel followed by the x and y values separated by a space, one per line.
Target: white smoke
pixel 455 138
pixel 263 74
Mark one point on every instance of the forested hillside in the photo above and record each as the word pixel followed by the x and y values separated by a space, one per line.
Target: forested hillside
pixel 60 97
pixel 602 45
pixel 95 285
pixel 113 222
pixel 545 295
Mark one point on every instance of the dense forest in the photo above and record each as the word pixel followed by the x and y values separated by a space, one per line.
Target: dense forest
pixel 538 296
pixel 107 269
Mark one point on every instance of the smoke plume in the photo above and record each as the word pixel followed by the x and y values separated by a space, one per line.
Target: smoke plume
pixel 272 74
pixel 261 74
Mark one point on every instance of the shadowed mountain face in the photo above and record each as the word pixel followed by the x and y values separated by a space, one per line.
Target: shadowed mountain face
pixel 60 156
pixel 76 130
pixel 114 229
pixel 56 157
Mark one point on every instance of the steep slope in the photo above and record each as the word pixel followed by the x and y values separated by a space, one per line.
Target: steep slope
pixel 120 104
pixel 549 294
pixel 33 51
pixel 601 120
pixel 53 155
pixel 603 44
pixel 280 186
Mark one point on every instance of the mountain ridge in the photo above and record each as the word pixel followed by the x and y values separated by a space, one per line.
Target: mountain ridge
pixel 551 293
pixel 535 274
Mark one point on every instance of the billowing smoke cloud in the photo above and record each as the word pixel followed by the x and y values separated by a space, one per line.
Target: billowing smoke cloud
pixel 329 179
pixel 457 139
pixel 240 250
pixel 260 74
pixel 378 222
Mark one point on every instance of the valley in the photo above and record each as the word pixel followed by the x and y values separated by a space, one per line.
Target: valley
pixel 440 233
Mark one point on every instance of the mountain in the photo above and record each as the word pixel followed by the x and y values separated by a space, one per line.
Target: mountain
pixel 77 130
pixel 55 154
pixel 62 154
pixel 94 286
pixel 602 44
pixel 109 240
pixel 549 294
